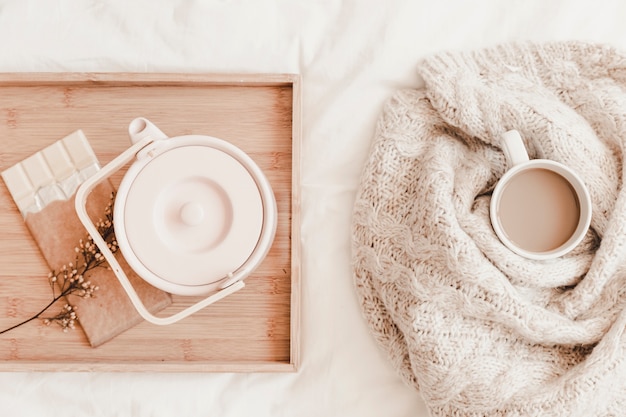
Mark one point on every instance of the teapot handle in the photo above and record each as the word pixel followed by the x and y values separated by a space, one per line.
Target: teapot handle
pixel 81 210
pixel 140 128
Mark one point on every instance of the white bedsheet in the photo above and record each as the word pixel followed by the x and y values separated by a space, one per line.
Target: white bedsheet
pixel 352 55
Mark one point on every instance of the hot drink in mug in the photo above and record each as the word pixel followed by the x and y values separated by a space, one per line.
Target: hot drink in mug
pixel 540 208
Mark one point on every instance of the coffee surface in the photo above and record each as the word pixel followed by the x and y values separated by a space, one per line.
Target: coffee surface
pixel 538 210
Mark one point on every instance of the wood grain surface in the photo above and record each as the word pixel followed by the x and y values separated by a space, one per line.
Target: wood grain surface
pixel 255 329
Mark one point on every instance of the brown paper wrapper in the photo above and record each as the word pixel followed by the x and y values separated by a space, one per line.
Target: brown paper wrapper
pixel 57 231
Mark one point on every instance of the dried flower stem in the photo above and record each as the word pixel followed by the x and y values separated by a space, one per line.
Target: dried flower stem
pixel 71 277
pixel 36 316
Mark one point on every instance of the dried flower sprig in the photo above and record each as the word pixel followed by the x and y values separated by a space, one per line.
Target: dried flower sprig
pixel 72 279
pixel 66 318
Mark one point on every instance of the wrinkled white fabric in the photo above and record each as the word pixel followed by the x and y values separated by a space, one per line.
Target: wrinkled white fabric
pixel 477 328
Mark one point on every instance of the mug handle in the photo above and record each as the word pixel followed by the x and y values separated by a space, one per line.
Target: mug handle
pixel 513 148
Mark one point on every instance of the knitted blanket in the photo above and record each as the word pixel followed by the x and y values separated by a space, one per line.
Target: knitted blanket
pixel 477 329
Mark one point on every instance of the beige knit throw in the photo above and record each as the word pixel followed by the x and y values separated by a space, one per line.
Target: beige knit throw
pixel 477 329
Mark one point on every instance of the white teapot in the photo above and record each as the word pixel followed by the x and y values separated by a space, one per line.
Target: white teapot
pixel 193 215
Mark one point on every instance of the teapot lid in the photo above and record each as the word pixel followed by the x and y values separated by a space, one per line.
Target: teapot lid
pixel 188 212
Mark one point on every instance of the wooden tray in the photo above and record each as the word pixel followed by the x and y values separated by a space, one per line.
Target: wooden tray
pixel 257 328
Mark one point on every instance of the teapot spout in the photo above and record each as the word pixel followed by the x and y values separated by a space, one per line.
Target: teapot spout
pixel 141 127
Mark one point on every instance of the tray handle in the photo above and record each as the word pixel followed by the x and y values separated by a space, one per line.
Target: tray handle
pixel 81 210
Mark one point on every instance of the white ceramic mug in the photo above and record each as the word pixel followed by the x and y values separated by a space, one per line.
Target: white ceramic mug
pixel 540 209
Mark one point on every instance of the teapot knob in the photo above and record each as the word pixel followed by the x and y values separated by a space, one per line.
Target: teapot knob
pixel 192 213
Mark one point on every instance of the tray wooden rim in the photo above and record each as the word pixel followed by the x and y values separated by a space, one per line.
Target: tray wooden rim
pixel 97 79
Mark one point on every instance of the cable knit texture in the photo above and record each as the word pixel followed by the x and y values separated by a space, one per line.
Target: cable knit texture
pixel 479 330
